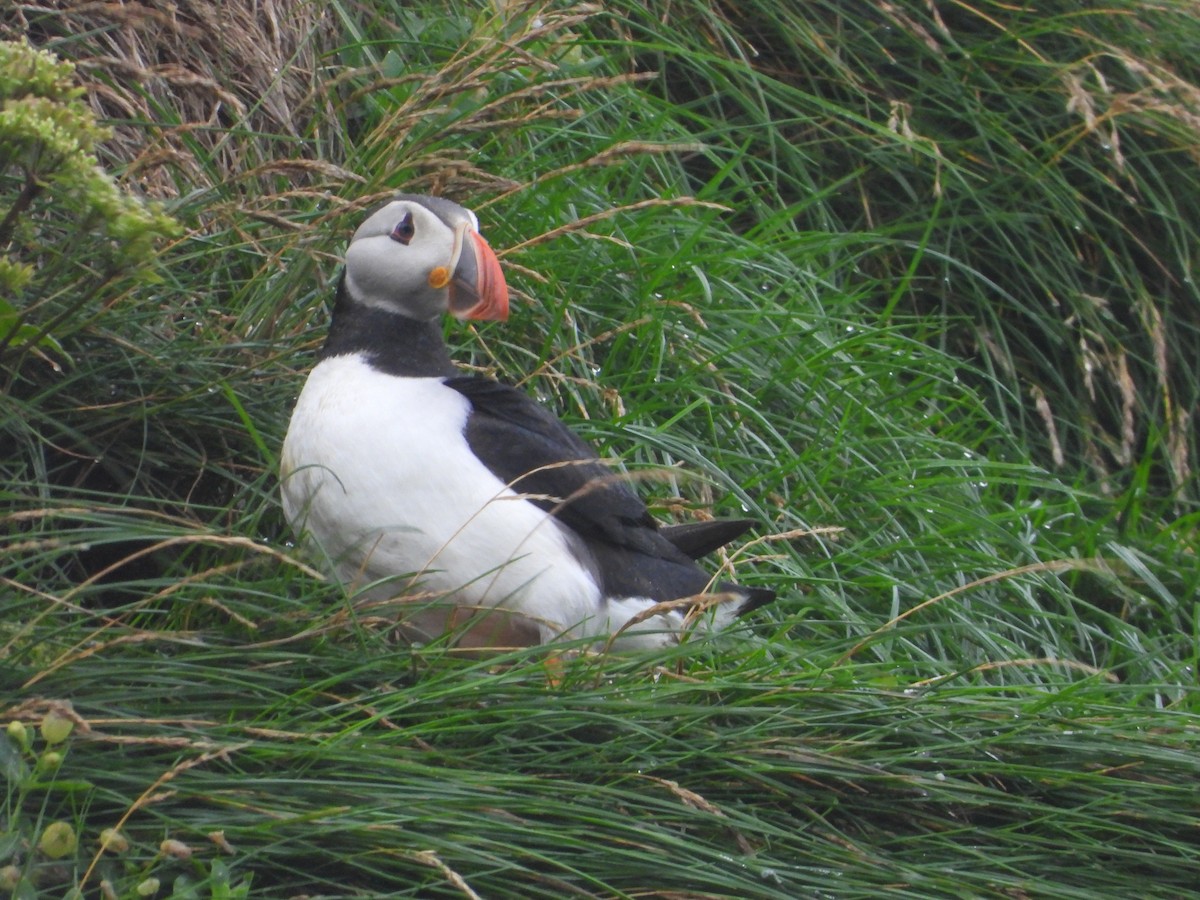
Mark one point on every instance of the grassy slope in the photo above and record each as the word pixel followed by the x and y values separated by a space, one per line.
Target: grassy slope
pixel 1029 731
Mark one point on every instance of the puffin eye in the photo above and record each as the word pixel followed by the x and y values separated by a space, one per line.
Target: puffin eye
pixel 404 230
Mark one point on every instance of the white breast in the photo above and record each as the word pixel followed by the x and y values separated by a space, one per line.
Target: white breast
pixel 377 471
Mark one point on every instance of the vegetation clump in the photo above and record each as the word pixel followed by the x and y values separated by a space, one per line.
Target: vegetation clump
pixel 67 230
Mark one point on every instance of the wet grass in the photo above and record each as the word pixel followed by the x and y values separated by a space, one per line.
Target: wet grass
pixel 829 298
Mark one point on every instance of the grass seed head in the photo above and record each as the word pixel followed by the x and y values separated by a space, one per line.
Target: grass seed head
pixel 18 734
pixel 56 727
pixel 112 841
pixel 58 840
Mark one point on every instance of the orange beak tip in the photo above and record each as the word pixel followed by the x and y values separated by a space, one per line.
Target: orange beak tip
pixel 488 284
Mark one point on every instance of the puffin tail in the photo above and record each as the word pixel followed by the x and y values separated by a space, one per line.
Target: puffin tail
pixel 737 600
pixel 753 599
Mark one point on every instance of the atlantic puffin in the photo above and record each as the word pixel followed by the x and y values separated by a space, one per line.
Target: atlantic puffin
pixel 470 502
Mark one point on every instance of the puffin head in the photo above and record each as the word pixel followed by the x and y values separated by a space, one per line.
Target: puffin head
pixel 423 256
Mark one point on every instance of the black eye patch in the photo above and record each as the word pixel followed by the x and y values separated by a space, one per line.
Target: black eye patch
pixel 404 230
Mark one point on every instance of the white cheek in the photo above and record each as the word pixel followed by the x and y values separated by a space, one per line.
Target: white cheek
pixel 385 274
pixel 382 271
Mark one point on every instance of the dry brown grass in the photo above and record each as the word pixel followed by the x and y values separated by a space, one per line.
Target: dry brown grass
pixel 250 97
pixel 176 80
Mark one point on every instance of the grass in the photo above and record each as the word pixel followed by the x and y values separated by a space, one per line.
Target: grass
pixel 828 297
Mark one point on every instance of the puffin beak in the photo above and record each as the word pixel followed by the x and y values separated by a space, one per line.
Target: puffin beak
pixel 477 286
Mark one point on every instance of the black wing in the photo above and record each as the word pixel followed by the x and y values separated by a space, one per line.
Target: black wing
pixel 698 539
pixel 529 448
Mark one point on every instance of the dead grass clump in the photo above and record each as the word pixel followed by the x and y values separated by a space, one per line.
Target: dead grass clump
pixel 178 79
